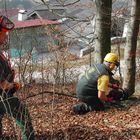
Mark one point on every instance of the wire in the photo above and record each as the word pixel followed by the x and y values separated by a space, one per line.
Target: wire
pixel 5 7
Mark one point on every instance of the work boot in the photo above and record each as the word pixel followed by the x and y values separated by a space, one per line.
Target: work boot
pixel 81 108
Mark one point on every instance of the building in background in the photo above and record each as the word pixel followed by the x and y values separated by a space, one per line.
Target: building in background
pixel 33 37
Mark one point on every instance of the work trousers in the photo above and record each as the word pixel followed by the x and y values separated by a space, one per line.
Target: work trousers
pixel 88 104
pixel 14 108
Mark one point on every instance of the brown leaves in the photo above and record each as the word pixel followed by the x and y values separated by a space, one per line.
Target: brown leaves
pixel 52 119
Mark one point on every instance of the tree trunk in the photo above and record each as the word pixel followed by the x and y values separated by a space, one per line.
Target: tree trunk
pixel 130 48
pixel 102 29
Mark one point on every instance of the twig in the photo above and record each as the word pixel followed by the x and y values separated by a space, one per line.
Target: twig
pixel 51 92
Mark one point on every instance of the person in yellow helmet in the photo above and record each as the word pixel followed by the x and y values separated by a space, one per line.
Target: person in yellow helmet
pixel 93 86
pixel 10 104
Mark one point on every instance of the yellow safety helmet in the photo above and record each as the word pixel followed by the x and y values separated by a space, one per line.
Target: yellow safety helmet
pixel 112 58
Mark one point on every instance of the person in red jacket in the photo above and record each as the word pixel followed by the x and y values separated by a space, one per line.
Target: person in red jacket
pixel 8 103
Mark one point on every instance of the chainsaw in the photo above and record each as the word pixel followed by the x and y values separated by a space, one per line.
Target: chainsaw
pixel 118 94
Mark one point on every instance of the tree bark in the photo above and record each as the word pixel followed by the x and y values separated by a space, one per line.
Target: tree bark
pixel 130 48
pixel 102 29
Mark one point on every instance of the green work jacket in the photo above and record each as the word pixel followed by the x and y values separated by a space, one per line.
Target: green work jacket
pixel 87 84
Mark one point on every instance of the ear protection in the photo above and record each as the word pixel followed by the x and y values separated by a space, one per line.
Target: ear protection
pixel 112 66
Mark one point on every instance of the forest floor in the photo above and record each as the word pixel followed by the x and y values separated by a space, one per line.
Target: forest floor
pixel 53 119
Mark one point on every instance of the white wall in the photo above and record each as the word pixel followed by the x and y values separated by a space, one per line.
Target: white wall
pixel 125 30
pixel 22 15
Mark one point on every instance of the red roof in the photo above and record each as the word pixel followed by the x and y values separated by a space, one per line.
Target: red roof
pixel 33 23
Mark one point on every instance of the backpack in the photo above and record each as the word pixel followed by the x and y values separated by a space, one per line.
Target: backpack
pixel 6 71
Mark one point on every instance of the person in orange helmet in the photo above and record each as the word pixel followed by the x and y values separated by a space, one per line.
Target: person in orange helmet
pixel 10 104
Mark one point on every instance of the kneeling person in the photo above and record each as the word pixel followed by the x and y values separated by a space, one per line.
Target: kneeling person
pixel 92 88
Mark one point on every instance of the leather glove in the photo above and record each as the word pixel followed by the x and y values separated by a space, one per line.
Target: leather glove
pixel 17 85
pixel 109 99
pixel 115 86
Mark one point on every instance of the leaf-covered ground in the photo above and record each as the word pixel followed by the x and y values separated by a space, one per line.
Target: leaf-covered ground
pixel 53 119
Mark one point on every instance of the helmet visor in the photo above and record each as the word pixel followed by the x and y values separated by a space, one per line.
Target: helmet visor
pixel 5 24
